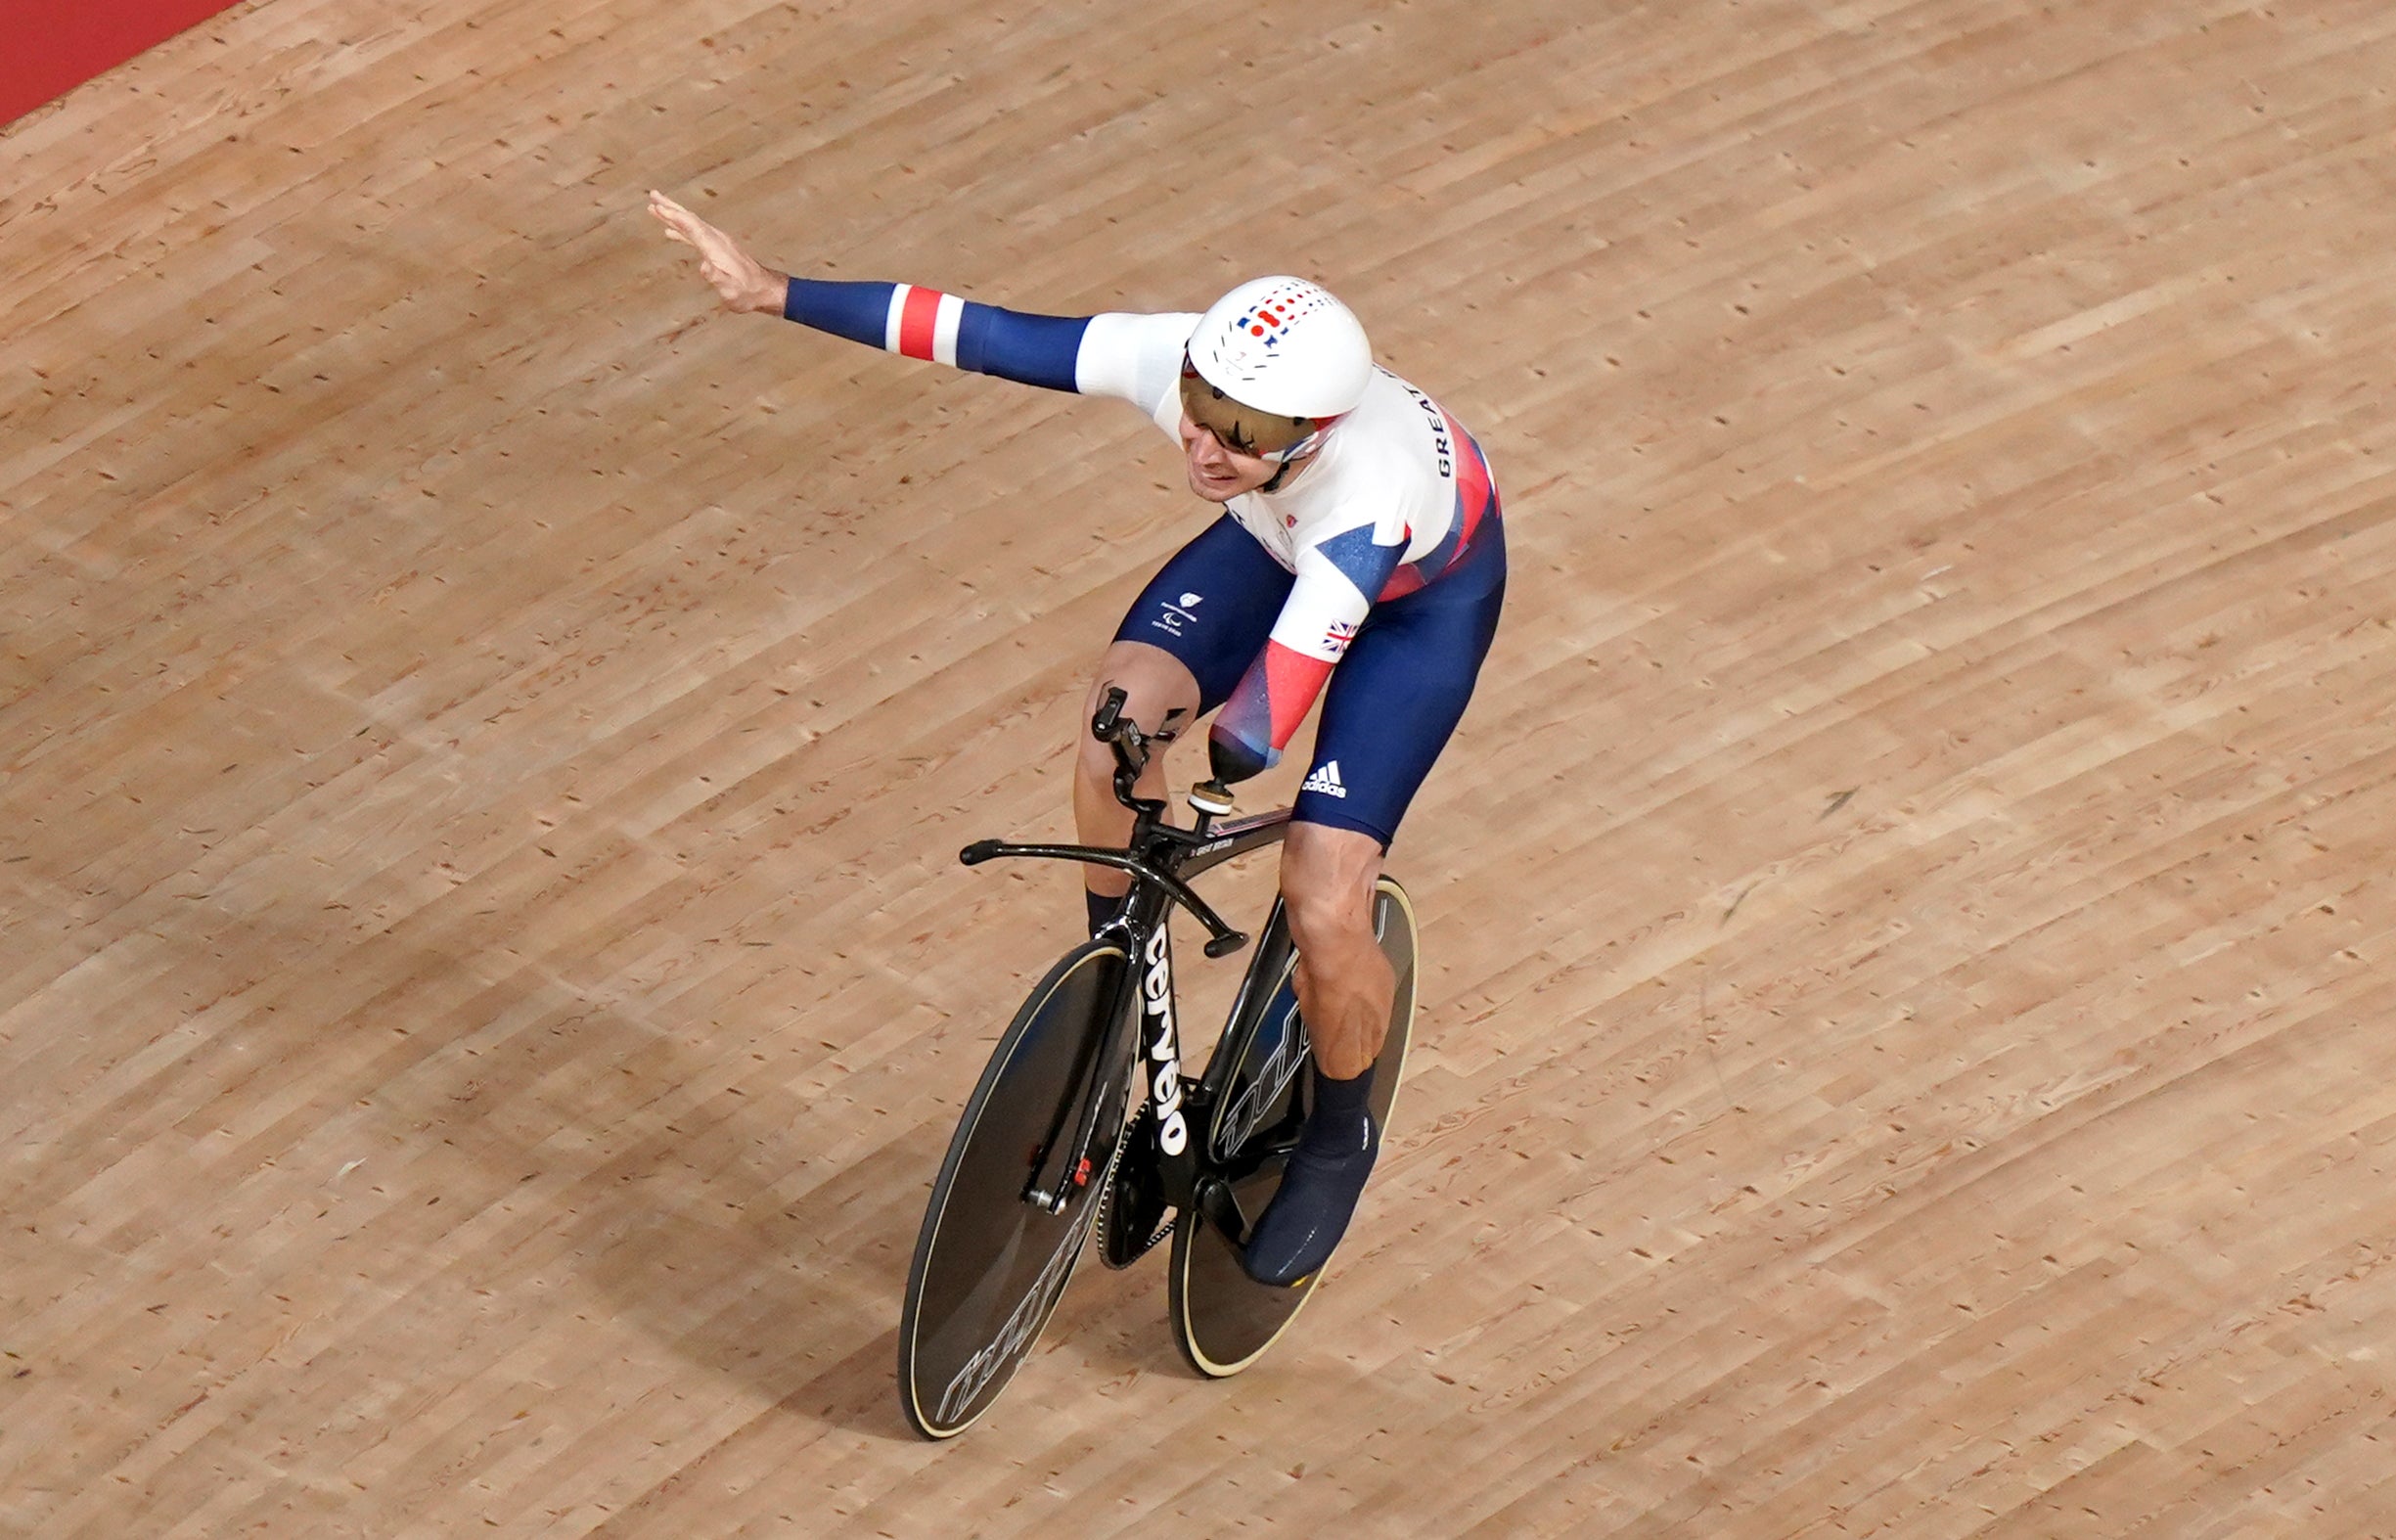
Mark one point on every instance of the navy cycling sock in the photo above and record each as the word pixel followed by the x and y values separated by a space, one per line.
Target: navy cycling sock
pixel 1326 1172
pixel 1101 908
pixel 1337 1123
pixel 1340 1103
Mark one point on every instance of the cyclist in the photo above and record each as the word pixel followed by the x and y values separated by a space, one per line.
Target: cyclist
pixel 1361 531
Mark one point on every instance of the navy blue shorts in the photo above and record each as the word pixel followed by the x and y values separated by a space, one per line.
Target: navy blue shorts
pixel 1393 700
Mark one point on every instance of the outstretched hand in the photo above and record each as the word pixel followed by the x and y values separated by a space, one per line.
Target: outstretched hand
pixel 738 279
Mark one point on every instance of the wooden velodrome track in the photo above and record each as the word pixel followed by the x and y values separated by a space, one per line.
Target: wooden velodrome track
pixel 1907 1041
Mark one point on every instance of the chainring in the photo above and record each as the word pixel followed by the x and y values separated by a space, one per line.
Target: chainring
pixel 1133 1216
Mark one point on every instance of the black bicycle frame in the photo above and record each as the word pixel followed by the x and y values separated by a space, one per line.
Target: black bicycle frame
pixel 1161 858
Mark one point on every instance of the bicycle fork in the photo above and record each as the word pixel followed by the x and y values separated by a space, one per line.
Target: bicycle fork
pixel 1144 1006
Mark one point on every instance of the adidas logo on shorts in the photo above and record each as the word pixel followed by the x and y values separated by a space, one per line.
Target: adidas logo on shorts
pixel 1326 780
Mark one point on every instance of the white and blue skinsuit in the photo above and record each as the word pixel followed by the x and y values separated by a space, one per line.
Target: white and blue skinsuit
pixel 1384 556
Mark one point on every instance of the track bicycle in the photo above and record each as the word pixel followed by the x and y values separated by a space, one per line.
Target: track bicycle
pixel 1084 1119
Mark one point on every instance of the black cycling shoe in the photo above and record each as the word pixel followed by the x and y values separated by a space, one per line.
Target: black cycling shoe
pixel 1310 1211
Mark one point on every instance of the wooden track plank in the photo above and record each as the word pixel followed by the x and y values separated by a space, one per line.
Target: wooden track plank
pixel 482 747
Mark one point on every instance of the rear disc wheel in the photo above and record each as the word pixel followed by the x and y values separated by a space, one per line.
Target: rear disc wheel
pixel 1223 1320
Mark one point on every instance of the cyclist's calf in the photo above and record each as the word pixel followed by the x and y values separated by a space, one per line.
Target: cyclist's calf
pixel 1344 983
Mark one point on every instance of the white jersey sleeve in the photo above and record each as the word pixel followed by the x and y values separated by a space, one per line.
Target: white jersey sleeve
pixel 1134 358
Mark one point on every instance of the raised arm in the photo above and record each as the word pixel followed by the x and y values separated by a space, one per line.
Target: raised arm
pixel 745 285
pixel 1133 357
pixel 925 323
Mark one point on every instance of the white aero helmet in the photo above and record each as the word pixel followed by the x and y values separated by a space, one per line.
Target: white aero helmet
pixel 1270 363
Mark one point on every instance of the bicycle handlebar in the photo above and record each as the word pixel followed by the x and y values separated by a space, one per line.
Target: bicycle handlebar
pixel 1110 713
pixel 1109 726
pixel 1131 746
pixel 1222 939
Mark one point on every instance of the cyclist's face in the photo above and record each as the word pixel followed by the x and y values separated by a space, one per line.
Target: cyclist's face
pixel 1218 473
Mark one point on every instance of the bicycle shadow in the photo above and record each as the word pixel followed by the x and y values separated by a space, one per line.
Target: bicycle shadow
pixel 693 1233
pixel 710 1219
pixel 755 1223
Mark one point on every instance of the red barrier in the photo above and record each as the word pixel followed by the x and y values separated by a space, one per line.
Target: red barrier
pixel 48 47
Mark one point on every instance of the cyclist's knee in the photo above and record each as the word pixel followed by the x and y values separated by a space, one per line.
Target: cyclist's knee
pixel 1326 885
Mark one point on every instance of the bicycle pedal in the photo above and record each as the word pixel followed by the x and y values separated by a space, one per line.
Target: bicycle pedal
pixel 1220 1207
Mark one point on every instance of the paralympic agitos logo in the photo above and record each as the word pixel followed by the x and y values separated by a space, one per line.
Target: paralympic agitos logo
pixel 1164 1050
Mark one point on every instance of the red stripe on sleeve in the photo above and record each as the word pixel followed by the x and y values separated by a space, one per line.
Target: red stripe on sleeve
pixel 917 322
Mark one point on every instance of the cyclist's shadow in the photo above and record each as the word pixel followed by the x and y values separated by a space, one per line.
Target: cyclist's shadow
pixel 759 1226
pixel 798 1297
pixel 710 1224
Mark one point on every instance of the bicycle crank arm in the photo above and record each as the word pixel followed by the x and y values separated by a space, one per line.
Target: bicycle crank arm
pixel 1222 939
pixel 1221 1207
